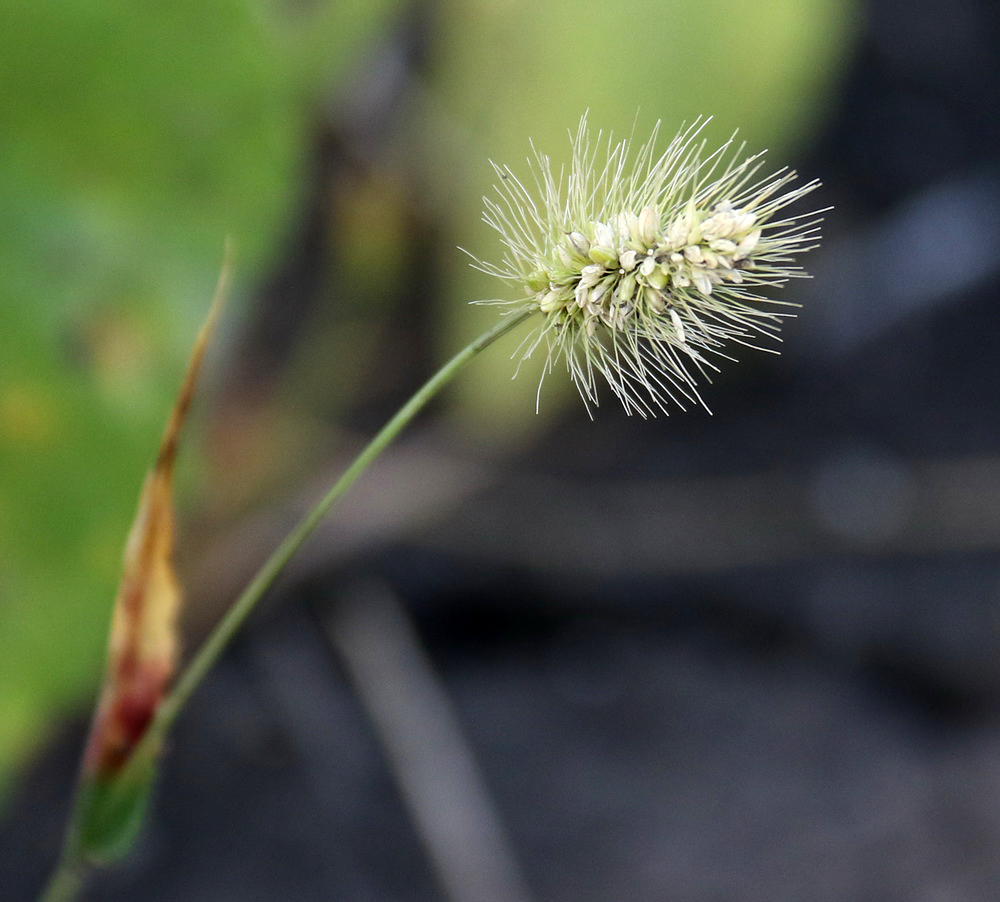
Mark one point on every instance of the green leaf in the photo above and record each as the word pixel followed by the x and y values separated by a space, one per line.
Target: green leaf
pixel 110 812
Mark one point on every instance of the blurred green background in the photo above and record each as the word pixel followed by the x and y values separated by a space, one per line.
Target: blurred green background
pixel 135 138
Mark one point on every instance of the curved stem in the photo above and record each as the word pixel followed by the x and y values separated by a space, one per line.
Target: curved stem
pixel 73 866
pixel 234 618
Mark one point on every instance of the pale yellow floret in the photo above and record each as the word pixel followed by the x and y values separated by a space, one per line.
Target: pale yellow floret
pixel 636 270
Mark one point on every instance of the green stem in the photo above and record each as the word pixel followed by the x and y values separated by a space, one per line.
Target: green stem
pixel 70 873
pixel 66 881
pixel 234 618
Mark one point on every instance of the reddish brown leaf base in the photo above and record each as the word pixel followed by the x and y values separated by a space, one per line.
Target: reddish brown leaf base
pixel 143 645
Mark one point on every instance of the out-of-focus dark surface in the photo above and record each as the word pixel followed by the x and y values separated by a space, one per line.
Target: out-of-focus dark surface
pixel 743 657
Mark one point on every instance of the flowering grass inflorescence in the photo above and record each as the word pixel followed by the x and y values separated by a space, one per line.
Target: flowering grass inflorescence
pixel 642 264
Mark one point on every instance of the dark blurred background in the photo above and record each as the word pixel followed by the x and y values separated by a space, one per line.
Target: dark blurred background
pixel 746 656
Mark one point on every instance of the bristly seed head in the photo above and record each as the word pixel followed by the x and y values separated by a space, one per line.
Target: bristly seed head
pixel 643 264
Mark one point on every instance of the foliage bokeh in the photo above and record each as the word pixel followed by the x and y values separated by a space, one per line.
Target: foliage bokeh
pixel 137 138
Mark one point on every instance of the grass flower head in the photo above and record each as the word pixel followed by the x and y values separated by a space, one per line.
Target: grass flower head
pixel 644 265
